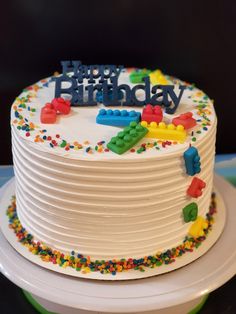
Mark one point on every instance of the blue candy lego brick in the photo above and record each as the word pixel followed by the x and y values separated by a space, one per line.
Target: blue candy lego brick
pixel 117 117
pixel 192 161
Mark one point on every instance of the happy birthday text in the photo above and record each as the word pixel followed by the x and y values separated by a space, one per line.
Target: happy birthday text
pixel 104 78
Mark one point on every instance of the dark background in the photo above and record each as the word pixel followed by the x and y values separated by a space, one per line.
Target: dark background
pixel 193 40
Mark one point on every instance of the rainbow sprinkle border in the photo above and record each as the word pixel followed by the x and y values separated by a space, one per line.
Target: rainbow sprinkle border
pixel 86 265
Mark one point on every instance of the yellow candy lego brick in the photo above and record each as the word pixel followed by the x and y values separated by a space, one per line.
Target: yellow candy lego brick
pixel 196 230
pixel 165 131
pixel 157 77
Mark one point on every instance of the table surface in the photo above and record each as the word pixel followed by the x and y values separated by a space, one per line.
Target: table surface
pixel 220 301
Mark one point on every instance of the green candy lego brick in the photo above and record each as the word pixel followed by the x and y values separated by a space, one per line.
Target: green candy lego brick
pixel 127 138
pixel 190 212
pixel 137 76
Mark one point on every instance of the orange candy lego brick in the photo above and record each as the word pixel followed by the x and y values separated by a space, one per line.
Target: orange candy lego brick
pixel 48 114
pixel 185 119
pixel 196 187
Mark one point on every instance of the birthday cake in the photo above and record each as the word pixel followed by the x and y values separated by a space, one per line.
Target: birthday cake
pixel 113 168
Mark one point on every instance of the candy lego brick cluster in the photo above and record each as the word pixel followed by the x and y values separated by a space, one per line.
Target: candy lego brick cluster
pixel 185 119
pixel 48 114
pixel 28 127
pixel 165 132
pixel 138 75
pixel 152 114
pixel 157 77
pixel 192 161
pixel 198 231
pixel 117 117
pixel 127 138
pixel 196 187
pixel 190 212
pixel 198 227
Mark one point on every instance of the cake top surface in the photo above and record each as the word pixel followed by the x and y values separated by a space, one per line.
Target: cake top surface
pixel 77 135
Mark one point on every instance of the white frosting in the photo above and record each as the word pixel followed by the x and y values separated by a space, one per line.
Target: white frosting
pixel 102 204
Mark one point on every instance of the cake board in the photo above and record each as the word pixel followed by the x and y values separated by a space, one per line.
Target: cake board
pixel 151 294
pixel 131 274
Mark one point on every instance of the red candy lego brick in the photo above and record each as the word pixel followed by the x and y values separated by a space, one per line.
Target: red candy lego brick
pixel 152 114
pixel 61 105
pixel 186 119
pixel 48 114
pixel 195 188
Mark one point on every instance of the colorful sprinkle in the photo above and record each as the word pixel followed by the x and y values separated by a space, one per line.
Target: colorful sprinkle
pixel 85 264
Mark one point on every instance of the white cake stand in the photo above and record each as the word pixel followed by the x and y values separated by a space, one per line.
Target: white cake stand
pixel 175 292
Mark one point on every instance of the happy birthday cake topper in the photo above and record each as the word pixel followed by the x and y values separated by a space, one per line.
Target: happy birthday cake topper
pixel 104 78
